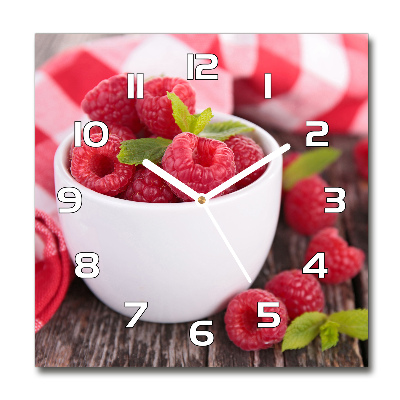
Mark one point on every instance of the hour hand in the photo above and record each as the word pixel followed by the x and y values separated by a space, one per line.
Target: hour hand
pixel 236 178
pixel 171 179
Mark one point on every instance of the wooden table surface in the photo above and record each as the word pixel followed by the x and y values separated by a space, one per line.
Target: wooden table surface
pixel 86 333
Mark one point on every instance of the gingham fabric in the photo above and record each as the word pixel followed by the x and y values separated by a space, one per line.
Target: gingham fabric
pixel 313 77
pixel 53 269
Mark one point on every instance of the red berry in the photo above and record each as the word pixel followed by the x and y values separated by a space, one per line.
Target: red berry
pixel 360 154
pixel 98 168
pixel 342 261
pixel 155 109
pixel 200 163
pixel 149 187
pixel 300 292
pixel 122 132
pixel 304 206
pixel 246 152
pixel 108 102
pixel 241 319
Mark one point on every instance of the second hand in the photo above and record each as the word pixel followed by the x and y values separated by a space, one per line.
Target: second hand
pixel 228 245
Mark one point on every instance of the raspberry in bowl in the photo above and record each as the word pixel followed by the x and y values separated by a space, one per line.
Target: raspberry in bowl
pixel 169 254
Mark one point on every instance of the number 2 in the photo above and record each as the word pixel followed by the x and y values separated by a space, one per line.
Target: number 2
pixel 322 132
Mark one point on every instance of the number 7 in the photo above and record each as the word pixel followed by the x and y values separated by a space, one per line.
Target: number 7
pixel 142 308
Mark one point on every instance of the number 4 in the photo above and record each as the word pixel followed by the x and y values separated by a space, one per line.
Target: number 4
pixel 321 270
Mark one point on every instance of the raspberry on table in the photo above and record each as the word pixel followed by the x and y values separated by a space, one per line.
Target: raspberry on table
pixel 360 154
pixel 149 187
pixel 342 261
pixel 304 206
pixel 300 292
pixel 241 319
pixel 108 102
pixel 246 152
pixel 155 109
pixel 98 168
pixel 200 163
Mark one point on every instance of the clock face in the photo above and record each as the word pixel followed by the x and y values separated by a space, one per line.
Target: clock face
pixel 203 244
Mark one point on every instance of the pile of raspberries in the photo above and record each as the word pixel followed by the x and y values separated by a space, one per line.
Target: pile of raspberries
pixel 201 163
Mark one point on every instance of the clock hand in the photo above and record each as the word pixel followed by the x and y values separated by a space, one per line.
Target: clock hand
pixel 225 185
pixel 200 200
pixel 171 179
pixel 228 245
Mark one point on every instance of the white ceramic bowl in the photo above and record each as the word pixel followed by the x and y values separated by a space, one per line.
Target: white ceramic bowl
pixel 170 255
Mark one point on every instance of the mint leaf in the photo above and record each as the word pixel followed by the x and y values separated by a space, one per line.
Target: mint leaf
pixel 329 335
pixel 309 163
pixel 180 112
pixel 199 121
pixel 224 130
pixel 186 121
pixel 134 151
pixel 352 322
pixel 303 330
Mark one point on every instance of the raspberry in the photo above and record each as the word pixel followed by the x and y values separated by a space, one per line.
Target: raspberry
pixel 149 187
pixel 342 261
pixel 98 168
pixel 241 319
pixel 155 109
pixel 121 131
pixel 200 163
pixel 246 152
pixel 108 102
pixel 360 154
pixel 304 206
pixel 300 292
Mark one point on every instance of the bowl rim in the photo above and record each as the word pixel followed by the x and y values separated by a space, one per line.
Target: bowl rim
pixel 61 170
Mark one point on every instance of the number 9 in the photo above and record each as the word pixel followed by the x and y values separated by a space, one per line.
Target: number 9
pixel 76 199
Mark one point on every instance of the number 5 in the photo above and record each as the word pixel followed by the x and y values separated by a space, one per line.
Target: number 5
pixel 261 313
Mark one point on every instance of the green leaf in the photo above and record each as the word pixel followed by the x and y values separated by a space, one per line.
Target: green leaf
pixel 303 330
pixel 224 130
pixel 180 112
pixel 352 322
pixel 329 335
pixel 309 163
pixel 134 151
pixel 199 121
pixel 186 121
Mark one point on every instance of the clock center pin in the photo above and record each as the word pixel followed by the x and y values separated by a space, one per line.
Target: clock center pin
pixel 201 200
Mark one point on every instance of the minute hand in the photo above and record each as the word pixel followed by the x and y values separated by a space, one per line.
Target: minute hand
pixel 225 185
pixel 171 179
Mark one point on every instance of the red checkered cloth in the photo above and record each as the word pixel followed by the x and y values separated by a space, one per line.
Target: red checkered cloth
pixel 314 77
pixel 53 269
